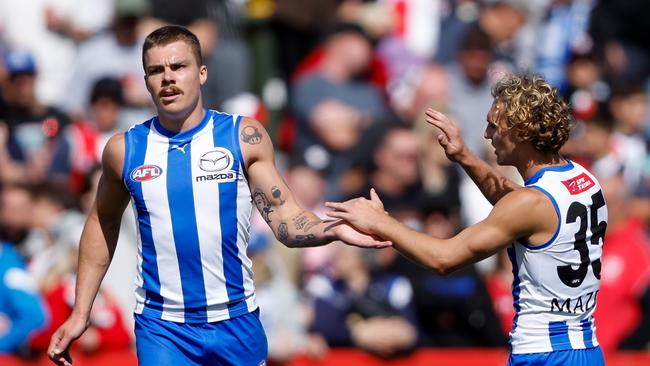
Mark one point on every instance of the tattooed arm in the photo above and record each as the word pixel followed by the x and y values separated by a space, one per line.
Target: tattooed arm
pixel 292 225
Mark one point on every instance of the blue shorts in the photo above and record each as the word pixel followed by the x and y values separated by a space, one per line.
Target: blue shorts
pixel 237 341
pixel 571 357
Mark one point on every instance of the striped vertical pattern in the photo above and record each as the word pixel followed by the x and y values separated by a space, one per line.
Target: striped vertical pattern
pixel 184 230
pixel 148 278
pixel 228 219
pixel 193 230
pixel 558 332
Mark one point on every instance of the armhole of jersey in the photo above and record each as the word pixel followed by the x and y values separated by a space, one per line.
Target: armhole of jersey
pixel 235 133
pixel 557 229
pixel 127 152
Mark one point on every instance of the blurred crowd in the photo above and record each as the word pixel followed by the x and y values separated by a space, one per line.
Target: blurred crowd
pixel 341 85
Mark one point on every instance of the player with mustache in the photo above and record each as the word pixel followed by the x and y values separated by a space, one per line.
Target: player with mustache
pixel 195 298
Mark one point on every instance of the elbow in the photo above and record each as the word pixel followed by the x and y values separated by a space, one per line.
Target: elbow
pixel 441 266
pixel 288 243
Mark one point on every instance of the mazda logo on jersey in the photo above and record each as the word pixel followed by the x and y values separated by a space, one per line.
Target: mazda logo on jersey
pixel 216 160
pixel 145 172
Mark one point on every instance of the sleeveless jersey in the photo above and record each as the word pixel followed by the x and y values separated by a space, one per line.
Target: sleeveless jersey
pixel 556 284
pixel 192 205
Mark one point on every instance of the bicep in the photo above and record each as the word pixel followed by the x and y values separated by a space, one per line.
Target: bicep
pixel 509 220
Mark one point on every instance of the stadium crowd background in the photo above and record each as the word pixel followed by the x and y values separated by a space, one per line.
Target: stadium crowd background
pixel 341 86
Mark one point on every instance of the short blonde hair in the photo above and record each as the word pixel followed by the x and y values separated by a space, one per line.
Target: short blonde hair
pixel 535 109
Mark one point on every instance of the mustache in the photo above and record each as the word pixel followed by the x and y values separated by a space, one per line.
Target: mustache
pixel 172 88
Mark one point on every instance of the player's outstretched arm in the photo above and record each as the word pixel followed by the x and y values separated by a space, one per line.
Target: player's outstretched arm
pixel 96 248
pixel 492 184
pixel 291 224
pixel 525 213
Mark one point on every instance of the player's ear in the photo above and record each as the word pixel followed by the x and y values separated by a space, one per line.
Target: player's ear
pixel 203 74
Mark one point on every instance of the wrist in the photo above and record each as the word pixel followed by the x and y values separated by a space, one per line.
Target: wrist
pixel 80 315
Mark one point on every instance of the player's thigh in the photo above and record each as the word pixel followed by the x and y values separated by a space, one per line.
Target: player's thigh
pixel 165 343
pixel 238 341
pixel 575 357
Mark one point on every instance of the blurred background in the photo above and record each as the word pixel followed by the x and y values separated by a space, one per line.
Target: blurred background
pixel 341 86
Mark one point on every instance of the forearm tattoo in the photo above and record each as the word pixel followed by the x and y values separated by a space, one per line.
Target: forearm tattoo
pixel 277 194
pixel 304 221
pixel 304 238
pixel 263 205
pixel 251 135
pixel 283 232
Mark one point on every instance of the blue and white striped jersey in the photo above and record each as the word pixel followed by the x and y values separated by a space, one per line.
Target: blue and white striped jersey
pixel 192 204
pixel 556 284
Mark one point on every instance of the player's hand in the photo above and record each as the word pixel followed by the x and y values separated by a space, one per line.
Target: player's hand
pixel 59 348
pixel 352 236
pixel 450 137
pixel 365 215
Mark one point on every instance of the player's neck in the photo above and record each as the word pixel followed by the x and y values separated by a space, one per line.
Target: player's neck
pixel 182 121
pixel 532 166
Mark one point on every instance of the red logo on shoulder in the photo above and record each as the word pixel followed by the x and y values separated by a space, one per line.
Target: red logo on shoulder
pixel 578 184
pixel 145 172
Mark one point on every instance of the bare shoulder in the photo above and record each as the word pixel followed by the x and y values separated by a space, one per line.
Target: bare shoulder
pixel 113 156
pixel 525 211
pixel 251 131
pixel 255 142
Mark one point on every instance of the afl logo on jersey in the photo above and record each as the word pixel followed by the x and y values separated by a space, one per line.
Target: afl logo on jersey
pixel 145 172
pixel 216 160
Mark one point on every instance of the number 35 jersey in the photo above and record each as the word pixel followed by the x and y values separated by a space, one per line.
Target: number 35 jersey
pixel 556 284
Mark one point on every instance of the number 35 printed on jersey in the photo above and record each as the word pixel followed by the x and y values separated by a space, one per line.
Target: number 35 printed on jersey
pixel 574 277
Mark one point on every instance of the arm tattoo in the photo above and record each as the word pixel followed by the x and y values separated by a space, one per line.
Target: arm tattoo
pixel 277 194
pixel 263 205
pixel 303 222
pixel 251 135
pixel 303 238
pixel 283 232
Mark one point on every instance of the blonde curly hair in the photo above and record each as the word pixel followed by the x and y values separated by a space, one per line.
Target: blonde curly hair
pixel 535 109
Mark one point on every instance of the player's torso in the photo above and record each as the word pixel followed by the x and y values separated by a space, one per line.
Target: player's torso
pixel 556 283
pixel 192 204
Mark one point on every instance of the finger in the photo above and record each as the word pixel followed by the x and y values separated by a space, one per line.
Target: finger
pixel 339 206
pixel 443 140
pixel 374 196
pixel 53 350
pixel 338 215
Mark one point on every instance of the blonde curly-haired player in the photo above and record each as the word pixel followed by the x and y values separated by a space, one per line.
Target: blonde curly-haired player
pixel 553 227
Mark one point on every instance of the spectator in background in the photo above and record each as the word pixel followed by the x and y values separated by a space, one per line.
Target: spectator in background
pixel 32 128
pixel 55 225
pixel 440 179
pixel 501 20
pixel 586 90
pixel 363 305
pixel 396 173
pixel 619 32
pixel 115 53
pixel 285 317
pixel 455 310
pixel 470 93
pixel 16 210
pixel 595 145
pixel 50 30
pixel 628 106
pixel 83 141
pixel 625 268
pixel 21 308
pixel 334 104
pixel 562 33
